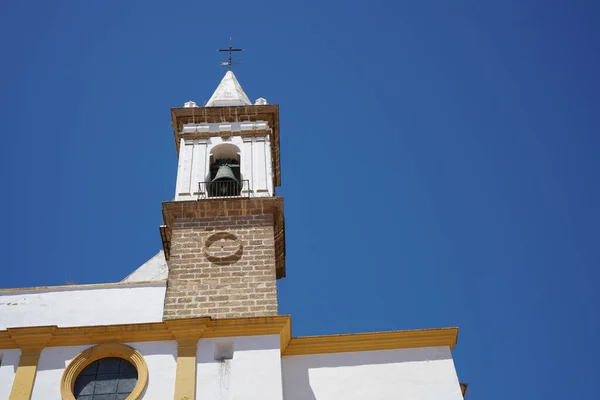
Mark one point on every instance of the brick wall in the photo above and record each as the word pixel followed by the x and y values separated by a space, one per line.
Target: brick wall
pixel 222 267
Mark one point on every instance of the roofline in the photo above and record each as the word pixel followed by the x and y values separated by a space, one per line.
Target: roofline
pixel 84 286
pixel 372 341
pixel 206 327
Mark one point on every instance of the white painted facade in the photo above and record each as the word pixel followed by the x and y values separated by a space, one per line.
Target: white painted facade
pixel 84 305
pixel 161 358
pixel 421 373
pixel 254 154
pixel 253 373
pixel 255 370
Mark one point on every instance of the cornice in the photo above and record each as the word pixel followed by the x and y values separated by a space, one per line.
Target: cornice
pixel 187 331
pixel 257 133
pixel 180 330
pixel 82 287
pixel 31 340
pixel 372 341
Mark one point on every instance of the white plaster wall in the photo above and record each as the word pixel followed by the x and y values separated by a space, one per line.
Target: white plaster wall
pixel 194 158
pixel 161 358
pixel 423 374
pixel 83 306
pixel 254 372
pixel 9 360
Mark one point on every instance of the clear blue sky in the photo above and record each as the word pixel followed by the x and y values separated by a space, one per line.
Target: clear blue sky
pixel 440 162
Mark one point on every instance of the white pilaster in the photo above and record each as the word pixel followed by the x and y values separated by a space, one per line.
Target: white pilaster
pixel 246 166
pixel 258 167
pixel 184 170
pixel 198 166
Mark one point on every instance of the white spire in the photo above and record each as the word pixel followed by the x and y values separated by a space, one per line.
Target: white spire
pixel 229 93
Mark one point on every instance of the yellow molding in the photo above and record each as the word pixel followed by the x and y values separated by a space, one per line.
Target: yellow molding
pixel 285 335
pixel 79 287
pixel 185 374
pixel 88 356
pixel 31 340
pixel 186 332
pixel 372 341
pixel 25 376
pixel 156 331
pixel 191 329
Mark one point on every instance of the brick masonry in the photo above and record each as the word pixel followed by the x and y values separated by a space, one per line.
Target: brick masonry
pixel 222 267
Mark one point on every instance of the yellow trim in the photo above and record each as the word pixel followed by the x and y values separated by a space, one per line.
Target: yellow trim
pixel 208 328
pixel 372 341
pixel 83 359
pixel 31 341
pixel 187 333
pixel 79 287
pixel 185 378
pixel 155 331
pixel 25 377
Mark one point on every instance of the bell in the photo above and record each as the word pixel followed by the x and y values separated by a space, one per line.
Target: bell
pixel 224 173
pixel 225 183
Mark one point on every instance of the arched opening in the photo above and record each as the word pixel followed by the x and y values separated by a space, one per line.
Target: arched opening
pixel 224 177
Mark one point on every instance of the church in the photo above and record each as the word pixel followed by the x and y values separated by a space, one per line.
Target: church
pixel 200 320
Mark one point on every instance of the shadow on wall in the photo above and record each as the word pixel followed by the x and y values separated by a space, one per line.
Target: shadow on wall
pixel 11 359
pixel 206 347
pixel 297 369
pixel 53 358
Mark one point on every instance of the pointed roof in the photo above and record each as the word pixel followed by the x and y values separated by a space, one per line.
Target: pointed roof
pixel 154 269
pixel 229 93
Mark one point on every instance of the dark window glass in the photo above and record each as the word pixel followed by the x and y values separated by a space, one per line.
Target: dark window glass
pixel 110 378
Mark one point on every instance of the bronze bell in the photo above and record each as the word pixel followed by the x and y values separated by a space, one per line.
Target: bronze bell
pixel 224 184
pixel 224 173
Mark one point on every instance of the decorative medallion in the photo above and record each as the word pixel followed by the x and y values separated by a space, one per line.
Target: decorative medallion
pixel 223 247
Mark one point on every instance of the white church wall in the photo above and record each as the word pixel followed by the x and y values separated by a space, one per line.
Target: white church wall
pixel 194 158
pixel 83 305
pixel 161 358
pixel 253 373
pixel 9 360
pixel 424 374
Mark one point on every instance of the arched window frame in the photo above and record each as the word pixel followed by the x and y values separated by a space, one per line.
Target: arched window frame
pixel 95 353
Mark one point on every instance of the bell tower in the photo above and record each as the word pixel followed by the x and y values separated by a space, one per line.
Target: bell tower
pixel 223 234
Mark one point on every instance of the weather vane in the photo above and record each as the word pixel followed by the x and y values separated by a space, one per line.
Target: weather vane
pixel 230 50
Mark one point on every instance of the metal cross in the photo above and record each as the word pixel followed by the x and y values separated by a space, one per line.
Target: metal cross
pixel 230 50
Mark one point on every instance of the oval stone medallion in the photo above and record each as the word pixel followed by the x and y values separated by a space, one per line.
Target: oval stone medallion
pixel 223 247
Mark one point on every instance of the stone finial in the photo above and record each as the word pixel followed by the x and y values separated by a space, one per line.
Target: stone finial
pixel 261 101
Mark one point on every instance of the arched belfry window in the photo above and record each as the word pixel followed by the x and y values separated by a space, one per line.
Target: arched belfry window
pixel 225 178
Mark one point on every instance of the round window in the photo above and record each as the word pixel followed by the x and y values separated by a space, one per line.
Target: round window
pixel 110 378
